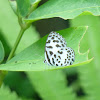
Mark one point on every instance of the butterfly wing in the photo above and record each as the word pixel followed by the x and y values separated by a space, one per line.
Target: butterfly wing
pixel 54 42
pixel 56 52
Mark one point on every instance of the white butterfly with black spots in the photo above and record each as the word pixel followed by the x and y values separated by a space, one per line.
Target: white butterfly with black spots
pixel 56 51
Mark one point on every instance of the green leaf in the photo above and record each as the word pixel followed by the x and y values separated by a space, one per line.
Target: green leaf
pixel 31 59
pixel 6 94
pixel 90 74
pixel 51 85
pixel 66 9
pixel 2 54
pixel 23 7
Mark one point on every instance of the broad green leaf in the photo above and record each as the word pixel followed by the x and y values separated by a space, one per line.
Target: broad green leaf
pixel 31 59
pixel 2 54
pixel 51 85
pixel 23 7
pixel 66 9
pixel 6 94
pixel 9 28
pixel 90 74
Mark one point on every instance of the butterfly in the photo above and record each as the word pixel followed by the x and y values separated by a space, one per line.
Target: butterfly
pixel 56 51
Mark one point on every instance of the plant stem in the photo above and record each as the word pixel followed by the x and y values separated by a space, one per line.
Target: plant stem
pixel 16 43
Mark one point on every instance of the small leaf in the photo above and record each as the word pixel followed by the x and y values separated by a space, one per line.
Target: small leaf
pixel 66 9
pixel 23 7
pixel 13 5
pixel 1 52
pixel 31 59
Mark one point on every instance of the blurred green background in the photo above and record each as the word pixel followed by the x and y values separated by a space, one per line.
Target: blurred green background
pixel 79 83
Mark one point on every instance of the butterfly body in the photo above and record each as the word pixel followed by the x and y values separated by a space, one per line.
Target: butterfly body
pixel 56 51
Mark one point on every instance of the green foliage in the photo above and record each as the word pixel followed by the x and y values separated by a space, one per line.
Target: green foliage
pixel 19 83
pixel 6 94
pixel 51 85
pixel 29 55
pixel 89 74
pixel 10 30
pixel 1 52
pixel 30 59
pixel 66 9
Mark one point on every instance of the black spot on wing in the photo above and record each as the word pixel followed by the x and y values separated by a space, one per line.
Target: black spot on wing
pixel 56 41
pixel 50 52
pixel 52 38
pixel 57 45
pixel 59 57
pixel 49 47
pixel 70 63
pixel 53 60
pixel 60 52
pixel 72 59
pixel 58 61
pixel 65 61
pixel 69 59
pixel 69 56
pixel 63 45
pixel 61 41
pixel 48 58
pixel 68 51
pixel 54 55
pixel 56 64
pixel 48 41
